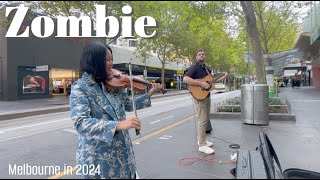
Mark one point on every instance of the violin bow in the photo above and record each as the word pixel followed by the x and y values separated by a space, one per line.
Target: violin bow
pixel 132 94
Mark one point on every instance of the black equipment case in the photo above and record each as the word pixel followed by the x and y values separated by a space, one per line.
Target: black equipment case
pixel 263 163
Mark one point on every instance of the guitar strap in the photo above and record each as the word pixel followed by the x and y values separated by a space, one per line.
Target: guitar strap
pixel 205 67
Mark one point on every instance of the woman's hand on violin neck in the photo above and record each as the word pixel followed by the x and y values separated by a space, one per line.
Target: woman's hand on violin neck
pixel 130 122
pixel 156 87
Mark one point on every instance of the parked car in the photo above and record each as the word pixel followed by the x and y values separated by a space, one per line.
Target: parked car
pixel 219 88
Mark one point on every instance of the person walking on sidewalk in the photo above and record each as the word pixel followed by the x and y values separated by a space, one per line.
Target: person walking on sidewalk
pixel 98 113
pixel 197 71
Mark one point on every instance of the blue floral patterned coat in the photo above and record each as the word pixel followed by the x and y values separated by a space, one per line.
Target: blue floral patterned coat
pixel 102 152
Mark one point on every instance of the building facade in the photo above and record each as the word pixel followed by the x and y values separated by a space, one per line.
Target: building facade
pixel 308 44
pixel 39 68
pixel 35 67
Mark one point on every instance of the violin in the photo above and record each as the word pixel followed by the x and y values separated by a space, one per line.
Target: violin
pixel 119 80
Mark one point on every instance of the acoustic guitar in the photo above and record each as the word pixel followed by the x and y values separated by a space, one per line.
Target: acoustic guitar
pixel 198 92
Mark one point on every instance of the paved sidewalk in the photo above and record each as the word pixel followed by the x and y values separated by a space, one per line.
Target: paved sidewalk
pixel 301 148
pixel 305 104
pixel 165 155
pixel 297 143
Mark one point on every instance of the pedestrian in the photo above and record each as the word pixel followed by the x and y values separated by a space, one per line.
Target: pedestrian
pixel 68 90
pixel 104 148
pixel 286 81
pixel 197 71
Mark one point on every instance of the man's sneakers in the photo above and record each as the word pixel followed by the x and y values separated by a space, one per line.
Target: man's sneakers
pixel 206 149
pixel 209 144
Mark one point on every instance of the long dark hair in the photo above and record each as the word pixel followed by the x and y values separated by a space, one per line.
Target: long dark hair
pixel 93 61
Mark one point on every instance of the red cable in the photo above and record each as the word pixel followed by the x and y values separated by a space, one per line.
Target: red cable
pixel 191 160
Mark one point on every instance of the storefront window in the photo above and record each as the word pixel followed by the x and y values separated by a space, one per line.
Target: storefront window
pixel 62 79
pixel 34 84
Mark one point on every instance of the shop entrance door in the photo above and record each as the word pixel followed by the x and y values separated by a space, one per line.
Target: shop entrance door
pixel 62 80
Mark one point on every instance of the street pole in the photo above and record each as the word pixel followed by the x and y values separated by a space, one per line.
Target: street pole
pixel 1 76
pixel 178 78
pixel 145 68
pixel 145 74
pixel 248 71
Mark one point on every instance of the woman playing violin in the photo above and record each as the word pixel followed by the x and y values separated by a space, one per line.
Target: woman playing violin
pixel 98 114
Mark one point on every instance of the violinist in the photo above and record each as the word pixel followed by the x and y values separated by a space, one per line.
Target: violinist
pixel 98 115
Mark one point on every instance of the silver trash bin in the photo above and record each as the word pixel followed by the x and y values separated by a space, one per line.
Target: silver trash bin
pixel 255 104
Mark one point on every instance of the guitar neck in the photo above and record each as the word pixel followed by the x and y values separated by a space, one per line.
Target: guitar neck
pixel 216 77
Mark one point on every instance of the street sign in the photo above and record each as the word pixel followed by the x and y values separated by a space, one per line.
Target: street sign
pixel 42 68
pixel 270 80
pixel 180 72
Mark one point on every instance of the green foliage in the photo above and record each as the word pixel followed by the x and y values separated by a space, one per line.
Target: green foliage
pixel 234 105
pixel 185 26
pixel 230 105
pixel 277 24
pixel 274 101
pixel 233 101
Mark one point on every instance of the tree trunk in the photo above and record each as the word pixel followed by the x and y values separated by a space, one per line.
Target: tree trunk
pixel 162 76
pixel 163 62
pixel 247 7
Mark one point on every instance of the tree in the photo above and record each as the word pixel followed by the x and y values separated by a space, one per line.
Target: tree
pixel 182 28
pixel 277 23
pixel 203 26
pixel 167 18
pixel 252 29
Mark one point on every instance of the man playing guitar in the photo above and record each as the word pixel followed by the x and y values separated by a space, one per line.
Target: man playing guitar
pixel 200 82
